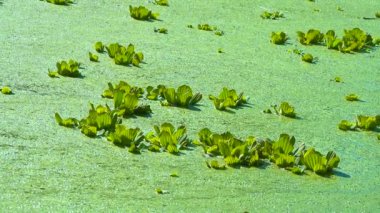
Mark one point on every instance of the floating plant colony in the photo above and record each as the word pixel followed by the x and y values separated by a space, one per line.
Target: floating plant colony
pixel 221 150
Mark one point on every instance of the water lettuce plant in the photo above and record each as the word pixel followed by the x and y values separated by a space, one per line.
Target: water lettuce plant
pixel 6 90
pixel 206 27
pixel 60 2
pixel 98 119
pixel 272 15
pixel 285 109
pixel 127 137
pixel 363 122
pixel 99 47
pixel 228 99
pixel 183 97
pixel 161 30
pixel 319 163
pixel 354 40
pixel 127 104
pixel 142 13
pixel 124 87
pixel 124 55
pixel 279 38
pixel 253 151
pixel 167 138
pixel 93 57
pixel 308 58
pixel 377 14
pixel 155 93
pixel 162 2
pixel 64 68
pixel 67 122
pixel 311 37
pixel 352 97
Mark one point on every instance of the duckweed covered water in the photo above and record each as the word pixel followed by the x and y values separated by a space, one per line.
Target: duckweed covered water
pixel 44 167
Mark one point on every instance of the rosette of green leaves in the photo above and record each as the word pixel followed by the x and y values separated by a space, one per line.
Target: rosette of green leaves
pixel 167 138
pixel 356 40
pixel 60 2
pixel 332 42
pixel 127 104
pixel 368 123
pixel 228 98
pixel 318 163
pixel 162 2
pixel 99 118
pixel 126 137
pixel 142 13
pixel 155 93
pixel 270 15
pixel 67 122
pixel 311 37
pixel 124 55
pixel 282 151
pixel 285 109
pixel 234 151
pixel 183 97
pixel 123 87
pixel 64 68
pixel 278 37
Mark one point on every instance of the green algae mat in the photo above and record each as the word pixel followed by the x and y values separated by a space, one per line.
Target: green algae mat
pixel 189 106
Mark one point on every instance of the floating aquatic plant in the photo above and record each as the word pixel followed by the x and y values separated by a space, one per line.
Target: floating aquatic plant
pixel 162 2
pixel 183 97
pixel 60 2
pixel 67 122
pixel 167 138
pixel 6 90
pixel 93 57
pixel 127 104
pixel 206 27
pixel 311 37
pixel 142 13
pixel 279 38
pixel 124 55
pixel 99 118
pixel 253 151
pixel 127 137
pixel 272 15
pixel 124 87
pixel 161 30
pixel 352 97
pixel 99 47
pixel 308 58
pixel 377 14
pixel 64 68
pixel 356 40
pixel 285 109
pixel 318 163
pixel 363 122
pixel 155 93
pixel 228 99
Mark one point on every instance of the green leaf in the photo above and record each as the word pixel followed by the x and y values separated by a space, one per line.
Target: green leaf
pixel 278 38
pixel 352 97
pixel 6 90
pixel 346 125
pixel 89 131
pixel 99 47
pixel 93 57
pixel 284 145
pixel 307 58
pixel 68 122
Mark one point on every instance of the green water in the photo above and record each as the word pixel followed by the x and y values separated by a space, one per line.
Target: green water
pixel 44 167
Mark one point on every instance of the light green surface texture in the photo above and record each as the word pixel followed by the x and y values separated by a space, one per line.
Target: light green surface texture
pixel 45 167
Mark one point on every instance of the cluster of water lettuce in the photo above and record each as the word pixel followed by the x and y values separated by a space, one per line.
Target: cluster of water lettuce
pixel 66 68
pixel 225 149
pixel 363 122
pixel 59 2
pixel 354 40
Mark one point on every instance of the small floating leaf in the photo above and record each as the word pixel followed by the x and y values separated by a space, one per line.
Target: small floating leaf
pixel 93 57
pixel 6 90
pixel 352 97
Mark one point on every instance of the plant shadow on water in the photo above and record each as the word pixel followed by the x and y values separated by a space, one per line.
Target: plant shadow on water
pixel 341 174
